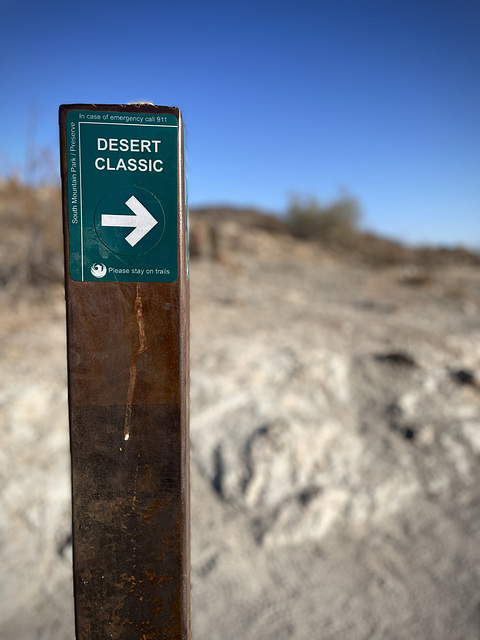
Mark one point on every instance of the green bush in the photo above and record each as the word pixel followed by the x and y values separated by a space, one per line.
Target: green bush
pixel 307 218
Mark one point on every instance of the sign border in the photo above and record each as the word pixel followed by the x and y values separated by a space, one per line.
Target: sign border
pixel 136 108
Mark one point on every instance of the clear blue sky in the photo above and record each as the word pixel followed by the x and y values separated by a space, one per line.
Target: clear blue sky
pixel 378 97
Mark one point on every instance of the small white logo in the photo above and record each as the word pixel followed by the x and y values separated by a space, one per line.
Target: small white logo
pixel 98 270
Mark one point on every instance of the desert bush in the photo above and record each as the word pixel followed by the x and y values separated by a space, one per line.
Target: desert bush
pixel 31 251
pixel 307 218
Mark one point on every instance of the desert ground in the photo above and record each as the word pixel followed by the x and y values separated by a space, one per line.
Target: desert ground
pixel 335 425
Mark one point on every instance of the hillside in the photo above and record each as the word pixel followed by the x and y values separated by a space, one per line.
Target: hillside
pixel 335 433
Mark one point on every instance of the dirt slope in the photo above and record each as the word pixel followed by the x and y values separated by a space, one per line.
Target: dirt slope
pixel 335 448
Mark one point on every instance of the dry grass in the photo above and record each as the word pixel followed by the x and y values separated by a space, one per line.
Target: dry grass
pixel 31 252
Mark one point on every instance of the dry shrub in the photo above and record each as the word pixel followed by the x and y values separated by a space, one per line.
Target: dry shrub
pixel 336 226
pixel 337 221
pixel 31 252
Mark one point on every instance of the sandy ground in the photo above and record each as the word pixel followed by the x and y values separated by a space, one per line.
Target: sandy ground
pixel 335 449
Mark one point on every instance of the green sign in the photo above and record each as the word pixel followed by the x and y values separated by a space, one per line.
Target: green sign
pixel 122 191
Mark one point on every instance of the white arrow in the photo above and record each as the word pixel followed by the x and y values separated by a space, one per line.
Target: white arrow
pixel 143 221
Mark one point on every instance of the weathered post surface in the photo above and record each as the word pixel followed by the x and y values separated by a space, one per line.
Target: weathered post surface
pixel 127 295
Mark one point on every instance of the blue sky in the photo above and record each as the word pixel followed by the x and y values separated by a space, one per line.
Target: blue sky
pixel 379 98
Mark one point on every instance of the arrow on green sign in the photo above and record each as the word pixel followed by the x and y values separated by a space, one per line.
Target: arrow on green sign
pixel 142 221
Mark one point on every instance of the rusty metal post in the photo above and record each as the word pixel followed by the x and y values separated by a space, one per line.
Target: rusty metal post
pixel 127 296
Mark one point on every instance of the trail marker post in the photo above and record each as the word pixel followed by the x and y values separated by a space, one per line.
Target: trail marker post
pixel 127 296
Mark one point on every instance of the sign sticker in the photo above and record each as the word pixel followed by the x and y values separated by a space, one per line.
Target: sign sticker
pixel 123 196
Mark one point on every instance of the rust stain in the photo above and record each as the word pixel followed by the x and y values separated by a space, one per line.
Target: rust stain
pixel 156 610
pixel 142 347
pixel 141 322
pixel 155 579
pixel 155 508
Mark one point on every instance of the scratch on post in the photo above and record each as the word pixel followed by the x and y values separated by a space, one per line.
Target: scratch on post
pixel 142 339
